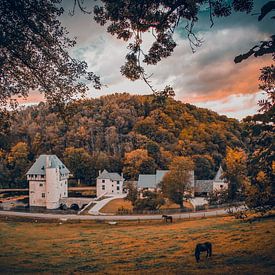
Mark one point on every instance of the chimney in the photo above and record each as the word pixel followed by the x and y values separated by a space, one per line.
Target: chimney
pixel 48 164
pixel 99 172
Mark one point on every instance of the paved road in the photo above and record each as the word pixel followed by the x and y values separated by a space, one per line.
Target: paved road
pixel 112 218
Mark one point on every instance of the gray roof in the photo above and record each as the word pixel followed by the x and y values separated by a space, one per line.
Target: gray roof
pixel 202 186
pixel 219 175
pixel 112 176
pixel 147 181
pixel 160 174
pixel 38 168
pixel 151 180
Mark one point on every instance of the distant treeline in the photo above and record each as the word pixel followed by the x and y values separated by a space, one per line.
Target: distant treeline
pixel 120 132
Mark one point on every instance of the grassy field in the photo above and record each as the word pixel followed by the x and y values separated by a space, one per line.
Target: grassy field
pixel 137 247
pixel 114 205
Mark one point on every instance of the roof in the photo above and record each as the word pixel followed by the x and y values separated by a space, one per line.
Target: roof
pixel 202 186
pixel 160 174
pixel 38 168
pixel 218 176
pixel 147 181
pixel 151 180
pixel 112 176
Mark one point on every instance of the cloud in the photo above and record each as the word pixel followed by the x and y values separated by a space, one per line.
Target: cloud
pixel 237 106
pixel 208 78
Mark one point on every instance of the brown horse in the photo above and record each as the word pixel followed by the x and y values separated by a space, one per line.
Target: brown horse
pixel 167 218
pixel 200 247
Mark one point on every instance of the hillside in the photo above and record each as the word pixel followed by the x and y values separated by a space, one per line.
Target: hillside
pixel 106 132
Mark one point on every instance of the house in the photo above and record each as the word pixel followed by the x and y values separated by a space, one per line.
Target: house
pixel 48 182
pixel 150 182
pixel 109 183
pixel 205 187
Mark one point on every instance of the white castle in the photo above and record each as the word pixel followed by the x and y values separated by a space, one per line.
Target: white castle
pixel 48 182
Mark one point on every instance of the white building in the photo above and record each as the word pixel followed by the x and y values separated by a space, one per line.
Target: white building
pixel 48 182
pixel 109 184
pixel 205 187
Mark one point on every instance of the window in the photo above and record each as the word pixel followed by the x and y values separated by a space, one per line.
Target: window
pixel 112 185
pixel 103 187
pixel 43 195
pixel 42 176
pixel 117 188
pixel 221 186
pixel 103 181
pixel 40 184
pixel 117 182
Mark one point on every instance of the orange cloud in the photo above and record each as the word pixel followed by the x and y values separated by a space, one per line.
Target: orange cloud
pixel 225 79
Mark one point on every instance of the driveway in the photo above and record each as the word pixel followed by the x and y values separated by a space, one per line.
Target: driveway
pixel 100 204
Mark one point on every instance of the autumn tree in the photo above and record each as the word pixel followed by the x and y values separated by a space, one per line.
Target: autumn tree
pixel 17 162
pixel 137 162
pixel 259 196
pixel 177 184
pixel 235 172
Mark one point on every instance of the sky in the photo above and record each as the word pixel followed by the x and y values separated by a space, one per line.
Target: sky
pixel 208 78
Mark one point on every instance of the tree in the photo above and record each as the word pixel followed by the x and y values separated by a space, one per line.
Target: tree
pixel 78 161
pixel 130 19
pixel 176 184
pixel 150 201
pixel 259 195
pixel 17 164
pixel 34 53
pixel 235 172
pixel 132 193
pixel 137 162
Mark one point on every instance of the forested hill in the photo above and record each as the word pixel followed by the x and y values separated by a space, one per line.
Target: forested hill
pixel 136 134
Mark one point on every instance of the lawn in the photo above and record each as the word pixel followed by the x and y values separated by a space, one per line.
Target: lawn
pixel 116 204
pixel 137 247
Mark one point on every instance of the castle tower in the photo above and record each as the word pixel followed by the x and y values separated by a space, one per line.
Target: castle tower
pixel 48 182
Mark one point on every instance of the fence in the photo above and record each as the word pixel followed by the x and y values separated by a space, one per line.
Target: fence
pixel 123 211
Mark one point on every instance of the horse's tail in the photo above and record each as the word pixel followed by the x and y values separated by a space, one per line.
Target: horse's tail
pixel 210 249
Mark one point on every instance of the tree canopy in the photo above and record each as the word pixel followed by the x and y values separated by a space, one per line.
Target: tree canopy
pixel 34 53
pixel 124 133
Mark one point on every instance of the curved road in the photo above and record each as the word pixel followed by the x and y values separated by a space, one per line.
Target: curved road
pixel 113 218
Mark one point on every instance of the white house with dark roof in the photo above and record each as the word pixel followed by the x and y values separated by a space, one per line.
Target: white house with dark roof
pixel 48 182
pixel 109 184
pixel 204 187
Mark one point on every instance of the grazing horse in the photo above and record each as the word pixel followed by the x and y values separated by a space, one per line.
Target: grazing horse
pixel 167 218
pixel 200 247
